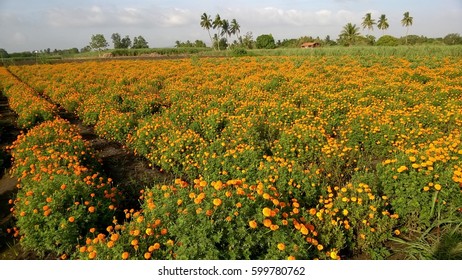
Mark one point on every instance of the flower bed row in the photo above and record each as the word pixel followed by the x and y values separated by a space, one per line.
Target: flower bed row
pixel 62 192
pixel 31 108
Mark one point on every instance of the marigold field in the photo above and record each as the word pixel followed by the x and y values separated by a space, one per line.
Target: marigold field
pixel 306 157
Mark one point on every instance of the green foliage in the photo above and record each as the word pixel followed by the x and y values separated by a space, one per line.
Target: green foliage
pixel 140 43
pixel 98 42
pixel 349 35
pixel 453 39
pixel 387 40
pixel 239 52
pixel 265 41
pixel 119 42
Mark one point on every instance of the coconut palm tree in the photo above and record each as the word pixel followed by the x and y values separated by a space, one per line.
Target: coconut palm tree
pixel 206 23
pixel 406 22
pixel 216 24
pixel 225 28
pixel 235 28
pixel 368 22
pixel 349 33
pixel 383 23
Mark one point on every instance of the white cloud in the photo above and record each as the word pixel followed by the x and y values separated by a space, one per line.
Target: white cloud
pixel 77 17
pixel 175 17
pixel 95 16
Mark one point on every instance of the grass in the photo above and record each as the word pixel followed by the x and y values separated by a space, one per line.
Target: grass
pixel 442 241
pixel 409 52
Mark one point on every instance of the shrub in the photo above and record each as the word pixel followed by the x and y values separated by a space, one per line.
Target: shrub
pixel 62 195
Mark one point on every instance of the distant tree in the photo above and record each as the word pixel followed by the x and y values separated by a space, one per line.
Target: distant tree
pixel 370 40
pixel 383 23
pixel 4 53
pixel 349 34
pixel 328 41
pixel 199 44
pixel 406 22
pixel 116 40
pixel 119 42
pixel 82 50
pixel 265 41
pixel 220 43
pixel 247 40
pixel 98 42
pixel 452 39
pixel 235 28
pixel 206 23
pixel 387 40
pixel 140 43
pixel 216 24
pixel 368 22
pixel 225 28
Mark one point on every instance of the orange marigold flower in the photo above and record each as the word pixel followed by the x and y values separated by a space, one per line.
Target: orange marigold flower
pixel 125 255
pixel 253 224
pixel 267 222
pixel 115 237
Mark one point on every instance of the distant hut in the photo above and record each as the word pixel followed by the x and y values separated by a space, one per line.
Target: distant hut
pixel 309 45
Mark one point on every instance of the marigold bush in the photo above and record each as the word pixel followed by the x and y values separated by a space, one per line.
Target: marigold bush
pixel 62 193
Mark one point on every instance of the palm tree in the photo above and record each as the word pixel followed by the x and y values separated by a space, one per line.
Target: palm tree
pixel 206 23
pixel 383 23
pixel 406 21
pixel 216 24
pixel 349 33
pixel 225 28
pixel 368 22
pixel 235 28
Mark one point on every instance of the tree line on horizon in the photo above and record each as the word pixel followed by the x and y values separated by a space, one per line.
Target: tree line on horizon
pixel 224 29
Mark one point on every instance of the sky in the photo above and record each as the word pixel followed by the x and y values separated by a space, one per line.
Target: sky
pixel 28 25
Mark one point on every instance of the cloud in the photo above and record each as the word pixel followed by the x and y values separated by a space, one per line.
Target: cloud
pixel 96 16
pixel 76 17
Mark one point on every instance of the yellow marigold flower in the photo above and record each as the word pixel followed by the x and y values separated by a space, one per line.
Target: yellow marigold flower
pixel 217 202
pixel 437 187
pixel 402 168
pixel 253 224
pixel 304 230
pixel 291 258
pixel 281 246
pixel 345 212
pixel 333 255
pixel 266 212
